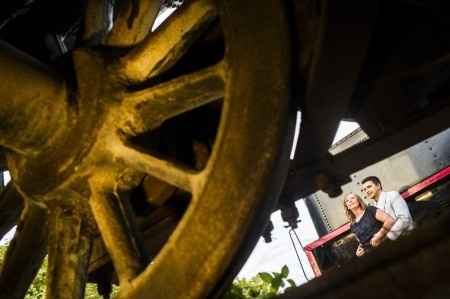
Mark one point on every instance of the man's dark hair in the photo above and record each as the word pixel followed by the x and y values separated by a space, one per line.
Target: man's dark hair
pixel 372 179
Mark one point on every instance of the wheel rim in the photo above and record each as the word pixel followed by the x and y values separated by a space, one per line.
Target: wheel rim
pixel 225 194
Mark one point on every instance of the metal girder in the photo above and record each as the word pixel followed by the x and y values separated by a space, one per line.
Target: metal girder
pixel 343 41
pixel 344 37
pixel 387 94
pixel 371 152
pixel 403 95
pixel 367 153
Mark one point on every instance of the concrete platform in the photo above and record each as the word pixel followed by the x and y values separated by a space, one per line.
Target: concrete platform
pixel 416 266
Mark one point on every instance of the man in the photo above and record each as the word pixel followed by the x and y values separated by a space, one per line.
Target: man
pixel 390 202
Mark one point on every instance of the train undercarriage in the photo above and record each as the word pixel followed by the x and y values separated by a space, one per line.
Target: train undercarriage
pixel 151 159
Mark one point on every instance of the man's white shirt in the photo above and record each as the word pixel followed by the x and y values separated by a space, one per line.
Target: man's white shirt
pixel 393 204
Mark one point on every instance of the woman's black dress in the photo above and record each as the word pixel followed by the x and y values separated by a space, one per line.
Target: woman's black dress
pixel 366 227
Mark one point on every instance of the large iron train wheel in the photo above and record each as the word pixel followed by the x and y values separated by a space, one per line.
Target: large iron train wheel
pixel 85 144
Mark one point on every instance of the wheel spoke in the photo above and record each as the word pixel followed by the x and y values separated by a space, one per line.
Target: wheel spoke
pixel 164 170
pixel 98 20
pixel 122 240
pixel 133 22
pixel 69 253
pixel 11 205
pixel 25 253
pixel 150 107
pixel 164 47
pixel 33 102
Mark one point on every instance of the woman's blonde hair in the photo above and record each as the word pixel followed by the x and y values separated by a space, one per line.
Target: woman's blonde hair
pixel 350 216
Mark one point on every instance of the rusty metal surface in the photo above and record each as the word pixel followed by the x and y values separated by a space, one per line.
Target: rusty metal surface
pixel 132 22
pixel 41 92
pixel 201 105
pixel 89 139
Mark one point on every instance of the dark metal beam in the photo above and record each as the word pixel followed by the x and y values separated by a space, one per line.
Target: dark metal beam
pixel 371 152
pixel 304 181
pixel 11 206
pixel 344 38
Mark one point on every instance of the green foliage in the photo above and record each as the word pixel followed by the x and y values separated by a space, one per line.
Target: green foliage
pixel 37 288
pixel 263 286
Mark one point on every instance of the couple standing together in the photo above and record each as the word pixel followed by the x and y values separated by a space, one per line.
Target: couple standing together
pixel 389 218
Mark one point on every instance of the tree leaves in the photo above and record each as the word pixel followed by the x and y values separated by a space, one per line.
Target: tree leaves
pixel 263 286
pixel 285 271
pixel 291 283
pixel 266 277
pixel 37 288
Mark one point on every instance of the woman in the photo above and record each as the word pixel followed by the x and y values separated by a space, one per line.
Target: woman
pixel 369 224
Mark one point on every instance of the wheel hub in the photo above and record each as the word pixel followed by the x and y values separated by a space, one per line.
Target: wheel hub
pixel 83 168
